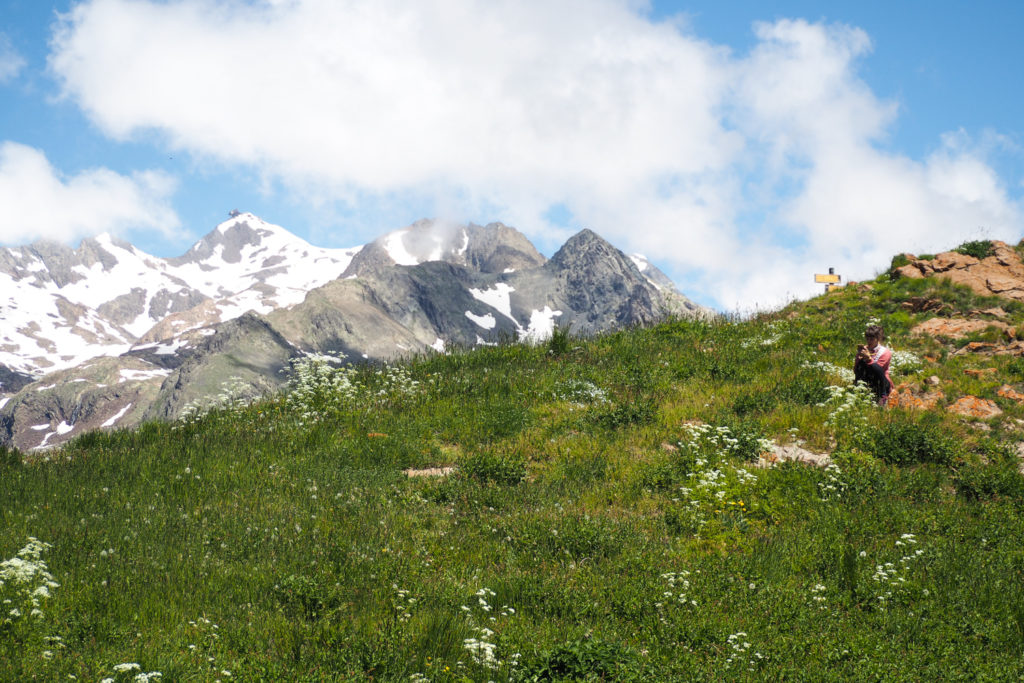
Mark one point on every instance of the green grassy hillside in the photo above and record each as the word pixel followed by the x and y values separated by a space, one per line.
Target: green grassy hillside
pixel 607 519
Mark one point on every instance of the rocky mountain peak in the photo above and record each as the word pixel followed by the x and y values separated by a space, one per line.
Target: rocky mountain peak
pixel 494 248
pixel 228 240
pixel 587 249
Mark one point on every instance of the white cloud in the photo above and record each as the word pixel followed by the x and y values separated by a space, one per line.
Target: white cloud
pixel 11 63
pixel 742 174
pixel 39 203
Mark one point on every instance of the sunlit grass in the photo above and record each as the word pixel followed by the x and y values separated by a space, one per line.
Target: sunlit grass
pixel 282 541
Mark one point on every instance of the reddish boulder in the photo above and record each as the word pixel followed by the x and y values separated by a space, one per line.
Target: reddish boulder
pixel 1006 391
pixel 972 406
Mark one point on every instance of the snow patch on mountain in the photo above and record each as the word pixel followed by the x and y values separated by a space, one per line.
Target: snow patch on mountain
pixel 395 247
pixel 485 321
pixel 542 325
pixel 127 375
pixel 640 260
pixel 117 416
pixel 497 298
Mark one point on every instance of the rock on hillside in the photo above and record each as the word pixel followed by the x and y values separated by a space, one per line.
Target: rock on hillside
pixel 1000 274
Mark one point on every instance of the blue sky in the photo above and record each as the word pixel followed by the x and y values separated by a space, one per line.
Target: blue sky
pixel 740 146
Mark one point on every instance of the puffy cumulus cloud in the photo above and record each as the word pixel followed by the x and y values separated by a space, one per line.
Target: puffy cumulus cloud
pixel 11 62
pixel 741 173
pixel 39 203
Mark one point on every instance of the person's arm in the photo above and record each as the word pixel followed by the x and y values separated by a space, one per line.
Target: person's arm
pixel 883 360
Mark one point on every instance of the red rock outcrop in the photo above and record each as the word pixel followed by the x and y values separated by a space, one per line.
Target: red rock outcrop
pixel 1006 391
pixel 908 395
pixel 972 406
pixel 1001 273
pixel 956 328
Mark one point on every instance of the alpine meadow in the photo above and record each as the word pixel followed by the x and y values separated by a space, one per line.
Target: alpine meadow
pixel 692 500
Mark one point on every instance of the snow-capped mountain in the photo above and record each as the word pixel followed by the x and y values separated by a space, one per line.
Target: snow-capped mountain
pixel 107 336
pixel 60 307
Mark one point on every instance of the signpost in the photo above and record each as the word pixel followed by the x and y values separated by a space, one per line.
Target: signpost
pixel 831 280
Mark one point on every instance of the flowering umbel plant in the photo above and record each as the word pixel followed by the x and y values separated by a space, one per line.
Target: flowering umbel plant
pixel 25 585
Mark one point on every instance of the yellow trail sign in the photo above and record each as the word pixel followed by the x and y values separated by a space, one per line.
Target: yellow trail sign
pixel 829 288
pixel 818 277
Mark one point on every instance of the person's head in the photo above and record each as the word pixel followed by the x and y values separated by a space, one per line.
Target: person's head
pixel 873 335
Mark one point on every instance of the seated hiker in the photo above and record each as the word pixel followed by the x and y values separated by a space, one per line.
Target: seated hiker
pixel 872 364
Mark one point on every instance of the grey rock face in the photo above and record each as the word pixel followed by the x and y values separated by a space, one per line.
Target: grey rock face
pixel 497 248
pixel 11 381
pixel 244 352
pixel 494 248
pixel 124 308
pixel 230 241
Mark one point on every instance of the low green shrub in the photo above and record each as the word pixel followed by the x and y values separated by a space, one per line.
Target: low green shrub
pixel 977 481
pixel 487 467
pixel 903 440
pixel 304 597
pixel 637 412
pixel 9 457
pixel 898 261
pixel 587 659
pixel 979 249
pixel 560 342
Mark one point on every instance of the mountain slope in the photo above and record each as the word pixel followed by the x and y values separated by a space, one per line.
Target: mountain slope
pixel 249 297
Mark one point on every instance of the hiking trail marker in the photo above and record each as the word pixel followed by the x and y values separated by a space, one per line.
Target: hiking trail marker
pixel 831 280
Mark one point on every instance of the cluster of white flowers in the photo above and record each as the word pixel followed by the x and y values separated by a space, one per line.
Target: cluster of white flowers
pixel 131 671
pixel 234 394
pixel 890 575
pixel 482 648
pixel 706 438
pixel 833 486
pixel 581 392
pixel 844 374
pixel 773 333
pixel 904 361
pixel 713 476
pixel 818 595
pixel 741 654
pixel 393 380
pixel 678 592
pixel 25 582
pixel 317 385
pixel 848 408
pixel 403 603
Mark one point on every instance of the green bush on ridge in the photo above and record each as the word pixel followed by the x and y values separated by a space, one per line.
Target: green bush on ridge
pixel 979 249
